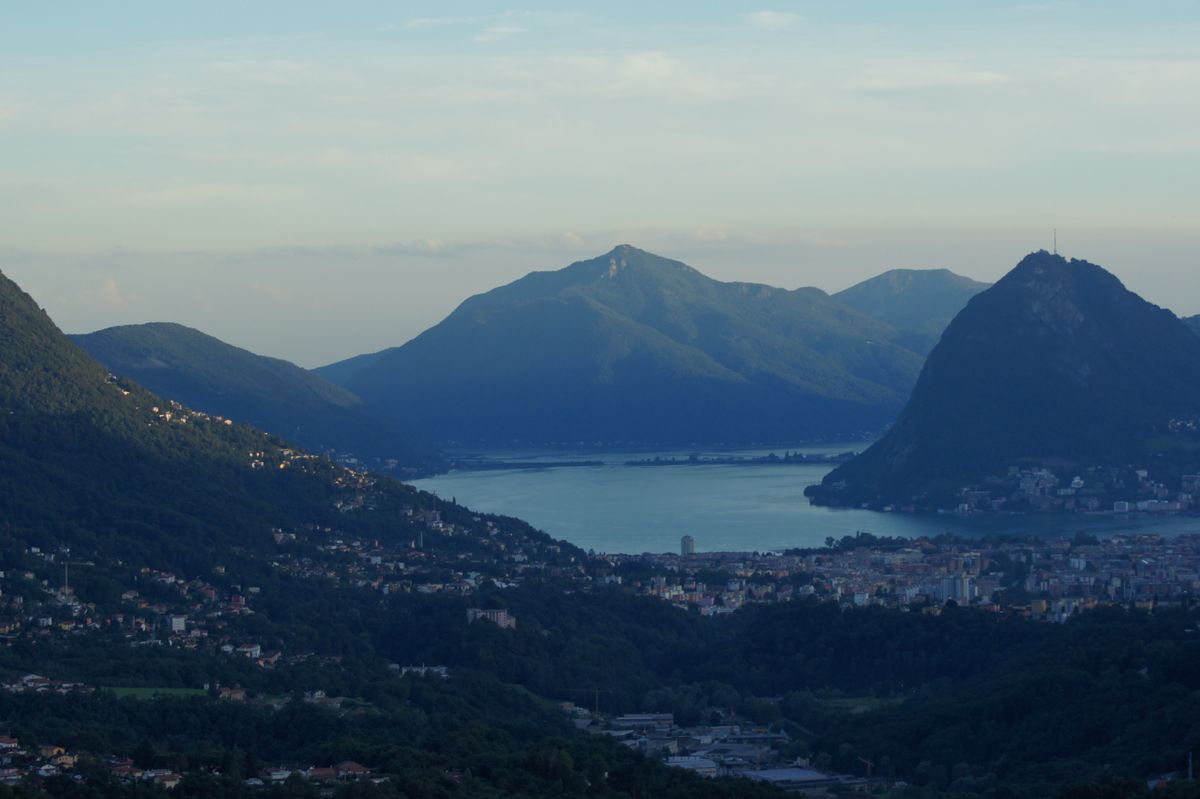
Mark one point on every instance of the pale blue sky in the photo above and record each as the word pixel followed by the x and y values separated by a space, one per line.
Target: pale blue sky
pixel 317 180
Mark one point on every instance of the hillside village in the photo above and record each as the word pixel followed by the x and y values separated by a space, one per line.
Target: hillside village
pixel 1042 579
pixel 443 550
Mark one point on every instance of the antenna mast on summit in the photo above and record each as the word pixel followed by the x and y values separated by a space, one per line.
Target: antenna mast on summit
pixel 1056 241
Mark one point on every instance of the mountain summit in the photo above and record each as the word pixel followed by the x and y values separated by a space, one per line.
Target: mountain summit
pixel 920 302
pixel 633 347
pixel 1057 363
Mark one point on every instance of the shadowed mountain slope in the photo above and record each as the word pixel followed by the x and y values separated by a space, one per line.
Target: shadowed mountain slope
pixel 271 394
pixel 99 464
pixel 1057 362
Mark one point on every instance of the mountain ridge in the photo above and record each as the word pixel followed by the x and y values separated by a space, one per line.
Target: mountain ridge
pixel 271 394
pixel 682 353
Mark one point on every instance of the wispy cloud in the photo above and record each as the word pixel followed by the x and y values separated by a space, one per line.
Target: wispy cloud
pixel 109 293
pixel 425 247
pixel 422 23
pixel 242 194
pixel 10 109
pixel 656 72
pixel 276 294
pixel 774 20
pixel 465 125
pixel 490 27
pixel 104 296
pixel 495 33
pixel 918 77
pixel 269 72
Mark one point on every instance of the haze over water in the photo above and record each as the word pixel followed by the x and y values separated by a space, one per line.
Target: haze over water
pixel 633 509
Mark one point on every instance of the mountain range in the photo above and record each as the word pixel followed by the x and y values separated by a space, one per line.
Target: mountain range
pixel 237 602
pixel 270 394
pixel 631 347
pixel 1056 364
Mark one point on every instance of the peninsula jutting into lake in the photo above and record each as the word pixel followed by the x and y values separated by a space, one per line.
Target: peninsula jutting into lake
pixel 771 458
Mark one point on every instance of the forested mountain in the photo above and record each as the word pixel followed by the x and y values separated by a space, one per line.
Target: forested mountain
pixel 1193 322
pixel 169 507
pixel 918 302
pixel 1057 363
pixel 634 347
pixel 101 464
pixel 267 393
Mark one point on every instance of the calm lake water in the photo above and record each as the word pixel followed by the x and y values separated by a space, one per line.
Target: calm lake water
pixel 630 509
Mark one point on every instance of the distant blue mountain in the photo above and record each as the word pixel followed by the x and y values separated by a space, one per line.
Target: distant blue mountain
pixel 633 347
pixel 918 302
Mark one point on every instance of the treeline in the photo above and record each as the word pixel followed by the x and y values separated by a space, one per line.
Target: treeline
pixel 469 736
pixel 961 701
pixel 955 700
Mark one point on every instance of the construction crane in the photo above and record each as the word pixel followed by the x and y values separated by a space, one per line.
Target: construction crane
pixel 869 764
pixel 595 691
pixel 67 564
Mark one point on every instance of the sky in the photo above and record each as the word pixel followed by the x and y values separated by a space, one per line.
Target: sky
pixel 317 180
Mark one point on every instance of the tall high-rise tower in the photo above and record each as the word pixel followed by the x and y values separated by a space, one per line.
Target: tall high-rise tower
pixel 687 546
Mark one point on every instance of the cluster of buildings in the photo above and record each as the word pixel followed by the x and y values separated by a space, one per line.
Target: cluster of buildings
pixel 176 413
pixel 346 771
pixel 725 750
pixel 713 599
pixel 1044 579
pixel 20 764
pixel 158 608
pixel 500 618
pixel 37 684
pixel 1095 490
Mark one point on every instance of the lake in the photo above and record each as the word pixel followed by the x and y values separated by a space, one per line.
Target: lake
pixel 633 509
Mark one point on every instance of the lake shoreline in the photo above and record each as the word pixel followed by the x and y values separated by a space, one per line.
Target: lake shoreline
pixel 613 507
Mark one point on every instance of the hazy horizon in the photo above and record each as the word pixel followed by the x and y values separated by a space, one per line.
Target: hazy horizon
pixel 313 183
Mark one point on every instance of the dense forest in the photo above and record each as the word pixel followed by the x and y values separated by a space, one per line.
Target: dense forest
pixel 471 736
pixel 958 702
